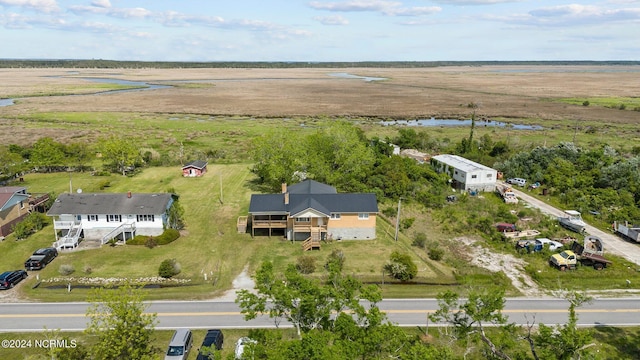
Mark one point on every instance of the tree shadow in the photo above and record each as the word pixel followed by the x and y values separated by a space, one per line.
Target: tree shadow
pixel 624 340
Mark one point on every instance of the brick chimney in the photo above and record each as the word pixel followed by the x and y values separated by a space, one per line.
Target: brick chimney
pixel 284 187
pixel 286 198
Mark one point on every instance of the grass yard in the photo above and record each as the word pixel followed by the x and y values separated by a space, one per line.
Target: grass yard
pixel 209 246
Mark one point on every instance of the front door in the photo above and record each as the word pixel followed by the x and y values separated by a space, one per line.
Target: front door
pixel 320 221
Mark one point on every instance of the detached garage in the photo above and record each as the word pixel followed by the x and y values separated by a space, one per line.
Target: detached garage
pixel 466 174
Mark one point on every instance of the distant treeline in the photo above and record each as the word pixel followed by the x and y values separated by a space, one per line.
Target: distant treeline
pixel 115 64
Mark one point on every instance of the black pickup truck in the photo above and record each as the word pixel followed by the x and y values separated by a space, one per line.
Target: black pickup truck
pixel 40 258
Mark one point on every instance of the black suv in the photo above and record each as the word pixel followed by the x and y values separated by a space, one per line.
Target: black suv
pixel 214 339
pixel 40 258
pixel 9 278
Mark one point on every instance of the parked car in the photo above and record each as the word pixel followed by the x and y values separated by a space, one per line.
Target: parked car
pixel 517 181
pixel 9 278
pixel 538 245
pixel 213 340
pixel 553 245
pixel 241 345
pixel 180 345
pixel 40 258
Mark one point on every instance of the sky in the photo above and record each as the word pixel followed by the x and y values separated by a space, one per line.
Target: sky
pixel 294 30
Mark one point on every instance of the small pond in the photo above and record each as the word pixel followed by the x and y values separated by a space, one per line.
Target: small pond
pixel 455 122
pixel 351 76
pixel 6 102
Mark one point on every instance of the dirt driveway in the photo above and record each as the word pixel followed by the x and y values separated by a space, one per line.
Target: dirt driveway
pixel 612 243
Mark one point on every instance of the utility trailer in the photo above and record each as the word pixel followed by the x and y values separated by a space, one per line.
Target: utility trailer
pixel 627 231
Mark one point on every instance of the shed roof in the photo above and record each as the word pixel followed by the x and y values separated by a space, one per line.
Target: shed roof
pixel 103 204
pixel 198 164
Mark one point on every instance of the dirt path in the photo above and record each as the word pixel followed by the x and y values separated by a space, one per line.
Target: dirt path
pixel 242 282
pixel 612 243
pixel 510 265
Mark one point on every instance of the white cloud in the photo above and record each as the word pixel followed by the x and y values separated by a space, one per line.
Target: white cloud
pixel 331 20
pixel 570 15
pixel 474 2
pixel 414 11
pixel 111 11
pixel 101 3
pixel 46 6
pixel 391 8
pixel 362 5
pixel 581 14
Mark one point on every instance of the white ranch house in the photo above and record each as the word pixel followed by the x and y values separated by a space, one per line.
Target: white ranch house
pixel 466 175
pixel 103 217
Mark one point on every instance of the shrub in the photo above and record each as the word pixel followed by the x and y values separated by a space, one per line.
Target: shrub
pixel 87 269
pixel 406 223
pixel 586 103
pixel 169 268
pixel 306 264
pixel 335 261
pixel 420 240
pixel 389 212
pixel 401 266
pixel 151 242
pixel 66 269
pixel 436 253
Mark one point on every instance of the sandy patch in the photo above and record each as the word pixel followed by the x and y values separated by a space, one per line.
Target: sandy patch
pixel 242 282
pixel 511 266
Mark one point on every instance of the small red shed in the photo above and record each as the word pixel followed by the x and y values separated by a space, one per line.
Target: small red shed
pixel 194 168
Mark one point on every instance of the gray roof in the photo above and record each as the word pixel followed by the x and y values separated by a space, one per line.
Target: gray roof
pixel 198 164
pixel 311 187
pixel 324 200
pixel 102 204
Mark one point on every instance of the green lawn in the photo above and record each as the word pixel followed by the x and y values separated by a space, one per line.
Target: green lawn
pixel 209 246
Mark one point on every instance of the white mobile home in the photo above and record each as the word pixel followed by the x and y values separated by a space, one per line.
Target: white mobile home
pixel 466 175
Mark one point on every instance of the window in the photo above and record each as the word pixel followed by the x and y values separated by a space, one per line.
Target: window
pixel 140 218
pixel 363 216
pixel 489 176
pixel 92 217
pixel 114 218
pixel 335 216
pixel 303 219
pixel 474 176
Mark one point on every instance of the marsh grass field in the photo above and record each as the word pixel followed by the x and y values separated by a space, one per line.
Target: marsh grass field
pixel 222 110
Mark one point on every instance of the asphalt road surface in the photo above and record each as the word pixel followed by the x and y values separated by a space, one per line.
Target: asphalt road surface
pixel 36 317
pixel 612 243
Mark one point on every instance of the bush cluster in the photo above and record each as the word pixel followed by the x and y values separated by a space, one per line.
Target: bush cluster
pixel 168 236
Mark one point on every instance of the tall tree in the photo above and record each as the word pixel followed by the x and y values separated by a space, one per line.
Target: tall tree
pixel 278 158
pixel 120 153
pixel 339 154
pixel 118 320
pixel 47 153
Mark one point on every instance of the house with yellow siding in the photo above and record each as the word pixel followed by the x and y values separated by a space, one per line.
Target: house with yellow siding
pixel 312 211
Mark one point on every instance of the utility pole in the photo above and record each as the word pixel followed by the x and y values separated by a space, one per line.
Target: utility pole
pixel 398 219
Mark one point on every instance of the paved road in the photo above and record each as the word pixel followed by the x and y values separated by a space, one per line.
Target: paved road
pixel 35 317
pixel 612 243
